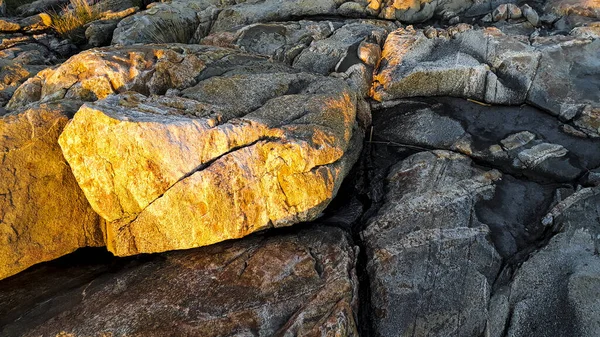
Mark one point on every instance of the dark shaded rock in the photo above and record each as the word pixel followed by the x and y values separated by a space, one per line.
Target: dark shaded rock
pixel 555 292
pixel 519 140
pixel 430 262
pixel 300 284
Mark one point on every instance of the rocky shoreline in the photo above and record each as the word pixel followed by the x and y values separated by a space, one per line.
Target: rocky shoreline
pixel 300 168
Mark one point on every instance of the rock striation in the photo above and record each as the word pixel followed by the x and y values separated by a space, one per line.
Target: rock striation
pixel 300 284
pixel 379 179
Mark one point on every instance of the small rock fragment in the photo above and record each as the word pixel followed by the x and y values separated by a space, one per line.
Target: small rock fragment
pixel 531 15
pixel 500 13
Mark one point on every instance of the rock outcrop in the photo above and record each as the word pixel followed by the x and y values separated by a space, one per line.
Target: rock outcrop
pixel 487 65
pixel 555 292
pixel 521 140
pixel 43 213
pixel 472 209
pixel 431 263
pixel 297 284
pixel 243 146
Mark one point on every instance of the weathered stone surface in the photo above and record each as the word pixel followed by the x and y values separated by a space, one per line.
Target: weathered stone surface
pixel 21 57
pixel 430 262
pixel 43 213
pixel 173 22
pixel 97 73
pixel 495 135
pixel 568 78
pixel 351 48
pixel 213 16
pixel 298 284
pixel 555 73
pixel 259 146
pixel 40 6
pixel 555 292
pixel 480 64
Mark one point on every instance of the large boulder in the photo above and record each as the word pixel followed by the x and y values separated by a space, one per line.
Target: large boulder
pixel 430 260
pixel 296 284
pixel 246 144
pixel 555 292
pixel 43 213
pixel 558 74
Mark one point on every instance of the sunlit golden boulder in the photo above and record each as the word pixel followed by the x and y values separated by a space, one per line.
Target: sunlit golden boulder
pixel 250 146
pixel 43 213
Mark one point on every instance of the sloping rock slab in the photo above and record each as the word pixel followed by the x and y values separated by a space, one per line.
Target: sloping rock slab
pixel 43 212
pixel 430 260
pixel 298 284
pixel 247 146
pixel 559 74
pixel 556 291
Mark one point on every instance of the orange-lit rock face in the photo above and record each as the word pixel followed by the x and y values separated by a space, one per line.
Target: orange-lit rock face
pixel 590 8
pixel 97 73
pixel 43 213
pixel 234 155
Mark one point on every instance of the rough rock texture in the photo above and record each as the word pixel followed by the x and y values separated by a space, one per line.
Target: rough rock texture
pixel 555 292
pixel 351 49
pixel 249 145
pixel 298 284
pixel 489 66
pixel 521 140
pixel 97 73
pixel 43 213
pixel 172 22
pixel 22 57
pixel 431 263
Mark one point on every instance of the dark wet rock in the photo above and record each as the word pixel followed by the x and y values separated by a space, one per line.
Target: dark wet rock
pixel 519 140
pixel 430 260
pixel 297 284
pixel 555 292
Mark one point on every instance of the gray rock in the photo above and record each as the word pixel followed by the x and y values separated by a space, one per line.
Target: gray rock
pixel 531 15
pixel 430 262
pixel 558 74
pixel 483 65
pixel 2 8
pixel 494 135
pixel 554 293
pixel 500 13
pixel 40 6
pixel 99 33
pixel 568 77
pixel 173 22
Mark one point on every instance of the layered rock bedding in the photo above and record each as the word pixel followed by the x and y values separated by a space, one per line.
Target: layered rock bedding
pixel 300 168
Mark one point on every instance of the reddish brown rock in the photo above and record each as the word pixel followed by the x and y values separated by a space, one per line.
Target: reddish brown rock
pixel 298 284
